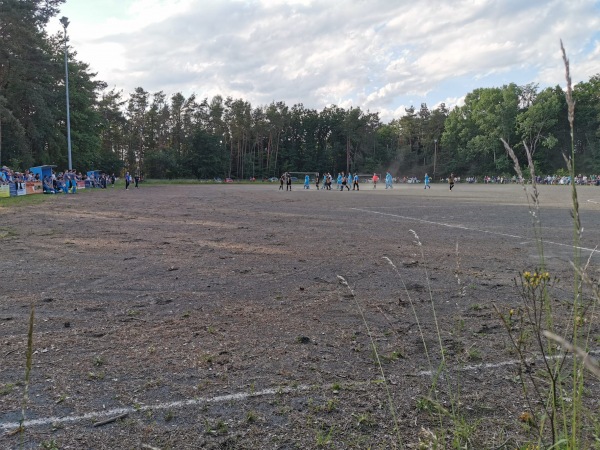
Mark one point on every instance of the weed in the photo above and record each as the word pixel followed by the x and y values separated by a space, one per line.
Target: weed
pixel 474 354
pixel 169 415
pixel 99 361
pixel 324 437
pixel 6 233
pixel 459 325
pixel 7 388
pixel 50 445
pixel 96 375
pixel 555 401
pixel 391 406
pixel 251 417
pixel 336 387
pixel 331 405
pixel 220 428
pixel 28 363
pixel 365 420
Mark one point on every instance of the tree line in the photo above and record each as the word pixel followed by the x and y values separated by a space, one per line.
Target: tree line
pixel 168 136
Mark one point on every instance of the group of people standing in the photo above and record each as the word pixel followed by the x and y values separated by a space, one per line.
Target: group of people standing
pixel 344 180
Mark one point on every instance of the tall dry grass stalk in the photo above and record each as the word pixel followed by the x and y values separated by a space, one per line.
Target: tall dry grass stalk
pixel 28 364
pixel 462 430
pixel 566 419
pixel 391 406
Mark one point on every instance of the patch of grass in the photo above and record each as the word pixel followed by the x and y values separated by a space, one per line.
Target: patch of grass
pixel 96 375
pixel 169 415
pixel 324 437
pixel 99 361
pixel 474 354
pixel 50 445
pixel 331 405
pixel 24 200
pixel 425 404
pixel 220 428
pixel 251 417
pixel 6 233
pixel 391 357
pixel 7 388
pixel 365 420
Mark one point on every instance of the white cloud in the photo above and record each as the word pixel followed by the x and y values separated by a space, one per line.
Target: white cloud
pixel 378 55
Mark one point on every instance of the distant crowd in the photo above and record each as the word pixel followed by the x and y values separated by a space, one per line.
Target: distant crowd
pixel 63 182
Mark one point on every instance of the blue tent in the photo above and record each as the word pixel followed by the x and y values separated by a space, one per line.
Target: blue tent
pixel 42 171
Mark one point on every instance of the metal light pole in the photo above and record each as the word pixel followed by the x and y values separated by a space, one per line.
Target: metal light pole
pixel 434 157
pixel 65 23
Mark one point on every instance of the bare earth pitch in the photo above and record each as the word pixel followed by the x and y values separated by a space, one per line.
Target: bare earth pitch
pixel 212 316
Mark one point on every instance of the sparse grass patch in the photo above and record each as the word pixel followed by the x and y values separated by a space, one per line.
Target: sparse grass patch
pixel 96 376
pixel 50 445
pixel 474 354
pixel 324 436
pixel 365 420
pixel 219 428
pixel 24 200
pixel 7 388
pixel 251 417
pixel 6 233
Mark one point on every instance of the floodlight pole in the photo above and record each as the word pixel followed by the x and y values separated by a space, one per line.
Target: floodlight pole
pixel 434 157
pixel 65 23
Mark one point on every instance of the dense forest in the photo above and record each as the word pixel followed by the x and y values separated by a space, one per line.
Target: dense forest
pixel 170 135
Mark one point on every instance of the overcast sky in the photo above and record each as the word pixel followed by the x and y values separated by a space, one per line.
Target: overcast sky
pixel 379 55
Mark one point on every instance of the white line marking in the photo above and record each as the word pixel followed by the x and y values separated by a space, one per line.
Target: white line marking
pixel 511 362
pixel 594 201
pixel 461 227
pixel 178 404
pixel 230 397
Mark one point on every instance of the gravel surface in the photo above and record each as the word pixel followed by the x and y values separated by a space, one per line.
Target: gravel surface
pixel 214 316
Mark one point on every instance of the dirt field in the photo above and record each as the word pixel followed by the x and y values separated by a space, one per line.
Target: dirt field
pixel 212 316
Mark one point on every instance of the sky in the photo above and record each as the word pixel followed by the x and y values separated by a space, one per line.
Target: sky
pixel 380 55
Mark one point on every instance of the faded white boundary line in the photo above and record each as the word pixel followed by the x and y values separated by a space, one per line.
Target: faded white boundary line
pixel 594 201
pixel 461 227
pixel 168 405
pixel 510 362
pixel 232 397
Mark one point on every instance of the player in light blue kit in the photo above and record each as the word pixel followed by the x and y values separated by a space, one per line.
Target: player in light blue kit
pixel 426 181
